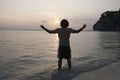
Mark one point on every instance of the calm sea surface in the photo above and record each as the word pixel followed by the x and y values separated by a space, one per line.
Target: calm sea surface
pixel 32 55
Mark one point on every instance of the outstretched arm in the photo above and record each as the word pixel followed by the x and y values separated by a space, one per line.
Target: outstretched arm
pixel 77 31
pixel 47 30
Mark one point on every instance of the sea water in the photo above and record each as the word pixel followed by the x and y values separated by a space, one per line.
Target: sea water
pixel 32 55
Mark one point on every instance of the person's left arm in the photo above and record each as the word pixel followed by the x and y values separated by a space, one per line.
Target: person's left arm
pixel 49 31
pixel 79 30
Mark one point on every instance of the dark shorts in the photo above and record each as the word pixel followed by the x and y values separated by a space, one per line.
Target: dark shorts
pixel 64 52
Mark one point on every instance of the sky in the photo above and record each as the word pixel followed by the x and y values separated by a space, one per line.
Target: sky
pixel 29 14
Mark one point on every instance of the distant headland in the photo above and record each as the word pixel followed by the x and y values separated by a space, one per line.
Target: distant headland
pixel 109 21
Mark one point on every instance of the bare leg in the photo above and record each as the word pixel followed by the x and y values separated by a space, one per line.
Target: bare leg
pixel 59 63
pixel 69 63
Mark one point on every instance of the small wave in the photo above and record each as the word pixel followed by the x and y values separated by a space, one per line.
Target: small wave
pixel 65 74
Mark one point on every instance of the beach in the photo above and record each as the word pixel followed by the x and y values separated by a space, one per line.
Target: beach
pixel 110 72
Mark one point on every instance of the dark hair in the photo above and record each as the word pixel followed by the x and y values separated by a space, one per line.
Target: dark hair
pixel 64 23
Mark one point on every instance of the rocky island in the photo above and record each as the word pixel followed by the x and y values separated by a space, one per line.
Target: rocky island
pixel 109 21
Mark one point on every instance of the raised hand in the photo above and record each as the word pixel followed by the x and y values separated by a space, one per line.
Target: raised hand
pixel 42 26
pixel 84 25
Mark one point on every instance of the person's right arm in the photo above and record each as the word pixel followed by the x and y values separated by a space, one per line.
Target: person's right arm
pixel 79 30
pixel 47 30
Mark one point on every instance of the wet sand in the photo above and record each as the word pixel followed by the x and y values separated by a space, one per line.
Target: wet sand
pixel 110 72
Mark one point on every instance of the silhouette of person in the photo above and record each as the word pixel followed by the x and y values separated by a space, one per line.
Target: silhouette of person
pixel 64 50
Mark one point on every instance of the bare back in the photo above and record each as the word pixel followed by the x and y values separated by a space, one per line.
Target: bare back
pixel 64 34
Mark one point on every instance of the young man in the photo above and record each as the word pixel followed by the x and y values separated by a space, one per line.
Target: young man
pixel 64 50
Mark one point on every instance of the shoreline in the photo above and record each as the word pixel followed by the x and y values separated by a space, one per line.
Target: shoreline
pixel 110 72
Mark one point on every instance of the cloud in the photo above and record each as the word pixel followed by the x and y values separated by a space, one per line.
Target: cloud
pixel 44 21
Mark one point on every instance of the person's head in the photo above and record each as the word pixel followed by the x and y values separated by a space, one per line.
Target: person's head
pixel 64 23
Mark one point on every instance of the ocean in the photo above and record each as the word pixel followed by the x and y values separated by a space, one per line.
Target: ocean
pixel 32 55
